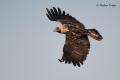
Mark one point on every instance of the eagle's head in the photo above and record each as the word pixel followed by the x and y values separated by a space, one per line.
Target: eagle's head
pixel 61 29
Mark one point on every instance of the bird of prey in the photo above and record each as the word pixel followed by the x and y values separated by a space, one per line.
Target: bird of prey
pixel 77 45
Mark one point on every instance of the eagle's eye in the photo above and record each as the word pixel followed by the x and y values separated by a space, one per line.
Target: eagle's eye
pixel 57 29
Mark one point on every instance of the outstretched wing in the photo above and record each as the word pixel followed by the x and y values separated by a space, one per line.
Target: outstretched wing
pixel 75 51
pixel 58 15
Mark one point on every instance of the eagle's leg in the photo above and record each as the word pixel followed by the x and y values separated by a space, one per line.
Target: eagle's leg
pixel 61 60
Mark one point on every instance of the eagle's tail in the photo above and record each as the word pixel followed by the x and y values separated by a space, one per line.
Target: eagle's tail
pixel 94 34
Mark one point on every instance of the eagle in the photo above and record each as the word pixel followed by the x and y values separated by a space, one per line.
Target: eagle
pixel 77 45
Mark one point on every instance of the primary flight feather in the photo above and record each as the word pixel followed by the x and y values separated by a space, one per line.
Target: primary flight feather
pixel 77 44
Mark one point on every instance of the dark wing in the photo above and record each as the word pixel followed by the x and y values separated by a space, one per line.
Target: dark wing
pixel 58 15
pixel 76 50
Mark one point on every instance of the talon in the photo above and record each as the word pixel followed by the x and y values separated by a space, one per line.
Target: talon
pixel 61 60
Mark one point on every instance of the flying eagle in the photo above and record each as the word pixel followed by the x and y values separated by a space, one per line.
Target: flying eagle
pixel 77 45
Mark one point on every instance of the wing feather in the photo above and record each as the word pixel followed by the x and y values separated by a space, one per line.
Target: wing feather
pixel 61 16
pixel 50 15
pixel 76 51
pixel 59 11
pixel 55 11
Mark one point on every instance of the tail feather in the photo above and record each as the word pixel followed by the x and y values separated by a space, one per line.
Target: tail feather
pixel 95 34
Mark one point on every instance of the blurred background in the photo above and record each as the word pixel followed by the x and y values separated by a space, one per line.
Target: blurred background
pixel 29 49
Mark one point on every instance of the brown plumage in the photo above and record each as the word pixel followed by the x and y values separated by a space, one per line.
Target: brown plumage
pixel 77 44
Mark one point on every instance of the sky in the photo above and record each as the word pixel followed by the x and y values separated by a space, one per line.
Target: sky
pixel 29 49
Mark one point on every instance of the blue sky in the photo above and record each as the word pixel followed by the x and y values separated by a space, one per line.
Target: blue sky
pixel 29 48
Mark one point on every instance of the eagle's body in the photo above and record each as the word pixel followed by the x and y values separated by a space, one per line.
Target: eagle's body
pixel 77 44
